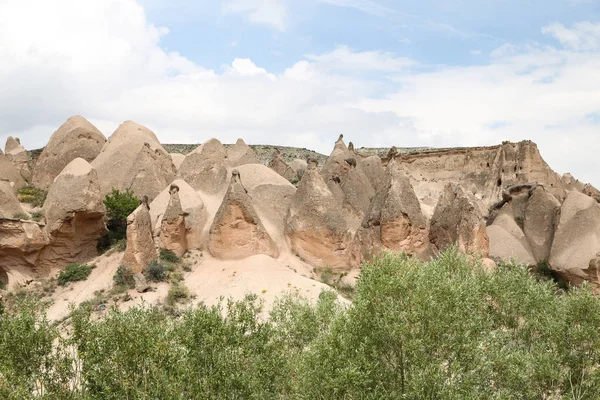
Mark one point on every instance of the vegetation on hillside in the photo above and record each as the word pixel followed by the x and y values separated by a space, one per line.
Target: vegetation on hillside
pixel 74 273
pixel 32 195
pixel 446 329
pixel 118 207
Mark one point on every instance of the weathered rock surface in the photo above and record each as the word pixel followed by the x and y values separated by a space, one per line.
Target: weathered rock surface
pixel 205 168
pixel 76 138
pixel 297 168
pixel 540 222
pixel 11 144
pixel 17 154
pixel 193 207
pixel 507 241
pixel 278 164
pixel 241 153
pixel 9 204
pixel 140 249
pixel 316 226
pixel 357 191
pixel 336 164
pixel 577 237
pixel 373 169
pixel 457 219
pixel 237 232
pixel 132 158
pixel 74 211
pixel 20 245
pixel 173 235
pixel 141 285
pixel 177 160
pixel 10 173
pixel 394 220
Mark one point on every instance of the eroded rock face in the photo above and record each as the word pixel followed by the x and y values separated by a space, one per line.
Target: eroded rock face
pixel 240 153
pixel 74 211
pixel 177 160
pixel 205 168
pixel 374 171
pixel 17 155
pixel 540 221
pixel 9 204
pixel 76 138
pixel 277 163
pixel 11 144
pixel 132 158
pixel 394 220
pixel 357 191
pixel 140 249
pixel 577 237
pixel 237 232
pixel 457 219
pixel 20 245
pixel 507 241
pixel 10 173
pixel 316 226
pixel 195 214
pixel 173 234
pixel 336 164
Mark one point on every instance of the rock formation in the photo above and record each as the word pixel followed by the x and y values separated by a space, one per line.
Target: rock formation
pixel 336 163
pixel 577 237
pixel 12 144
pixel 193 208
pixel 277 163
pixel 172 229
pixel 20 245
pixel 540 222
pixel 10 173
pixel 76 138
pixel 374 171
pixel 357 190
pixel 457 219
pixel 17 154
pixel 9 205
pixel 297 168
pixel 140 250
pixel 507 241
pixel 240 153
pixel 394 220
pixel 132 158
pixel 237 232
pixel 316 227
pixel 177 160
pixel 74 211
pixel 205 168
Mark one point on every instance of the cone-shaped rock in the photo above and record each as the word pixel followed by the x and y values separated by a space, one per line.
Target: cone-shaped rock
pixel 132 158
pixel 540 222
pixel 577 237
pixel 237 232
pixel 297 167
pixel 74 211
pixel 240 153
pixel 11 144
pixel 10 173
pixel 457 219
pixel 336 163
pixel 277 163
pixel 76 138
pixel 172 230
pixel 374 171
pixel 177 160
pixel 9 205
pixel 205 168
pixel 357 189
pixel 316 226
pixel 394 219
pixel 140 249
pixel 192 206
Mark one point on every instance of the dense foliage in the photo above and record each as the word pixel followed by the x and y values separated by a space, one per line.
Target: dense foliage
pixel 32 195
pixel 118 207
pixel 446 329
pixel 74 273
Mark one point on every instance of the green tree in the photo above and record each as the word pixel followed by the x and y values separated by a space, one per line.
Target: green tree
pixel 118 207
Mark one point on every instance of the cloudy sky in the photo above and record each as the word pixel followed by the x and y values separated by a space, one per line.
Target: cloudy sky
pixel 299 72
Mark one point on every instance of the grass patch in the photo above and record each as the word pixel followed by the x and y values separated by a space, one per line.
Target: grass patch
pixel 178 293
pixel 32 195
pixel 21 216
pixel 123 279
pixel 169 256
pixel 156 272
pixel 74 273
pixel 37 216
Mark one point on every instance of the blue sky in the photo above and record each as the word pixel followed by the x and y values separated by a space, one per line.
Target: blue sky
pixel 287 72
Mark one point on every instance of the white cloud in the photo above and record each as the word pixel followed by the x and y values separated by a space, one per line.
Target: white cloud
pixel 583 36
pixel 269 12
pixel 103 60
pixel 366 6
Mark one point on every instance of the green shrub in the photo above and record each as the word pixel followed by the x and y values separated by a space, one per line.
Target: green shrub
pixel 37 216
pixel 123 277
pixel 118 207
pixel 74 273
pixel 178 293
pixel 169 256
pixel 32 195
pixel 22 216
pixel 156 272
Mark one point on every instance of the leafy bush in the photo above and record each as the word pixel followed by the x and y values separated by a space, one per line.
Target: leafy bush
pixel 22 216
pixel 156 272
pixel 169 256
pixel 32 195
pixel 178 293
pixel 123 277
pixel 37 215
pixel 74 273
pixel 118 207
pixel 446 329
